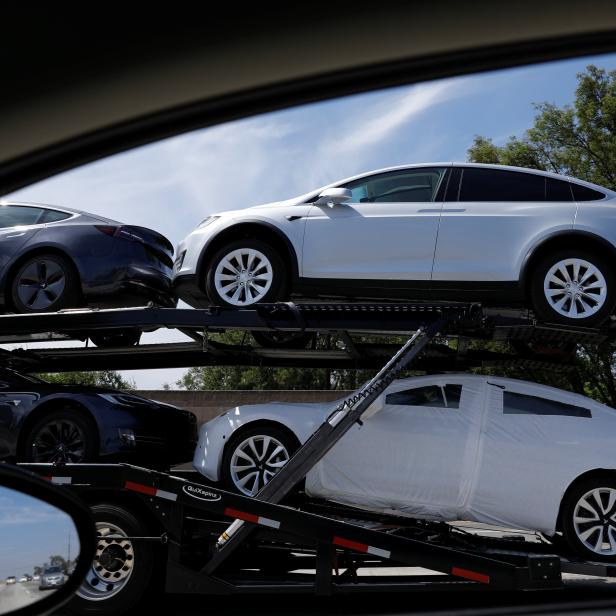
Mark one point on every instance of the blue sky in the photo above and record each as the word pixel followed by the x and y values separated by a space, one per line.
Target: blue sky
pixel 172 185
pixel 30 532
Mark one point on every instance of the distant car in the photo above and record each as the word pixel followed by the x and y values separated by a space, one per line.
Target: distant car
pixel 52 577
pixel 444 447
pixel 44 422
pixel 23 579
pixel 36 578
pixel 11 579
pixel 55 257
pixel 487 233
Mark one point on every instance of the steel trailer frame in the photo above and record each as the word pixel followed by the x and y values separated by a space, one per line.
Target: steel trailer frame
pixel 192 512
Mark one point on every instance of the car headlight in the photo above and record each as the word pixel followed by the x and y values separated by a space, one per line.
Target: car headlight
pixel 207 221
pixel 123 399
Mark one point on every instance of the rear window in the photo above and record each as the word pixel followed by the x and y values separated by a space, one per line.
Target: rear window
pixel 497 185
pixel 54 216
pixel 583 193
pixel 521 404
pixel 19 215
pixel 557 190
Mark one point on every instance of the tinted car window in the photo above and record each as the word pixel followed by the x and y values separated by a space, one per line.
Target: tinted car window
pixel 583 193
pixel 405 186
pixel 496 185
pixel 18 215
pixel 521 404
pixel 557 190
pixel 54 216
pixel 453 394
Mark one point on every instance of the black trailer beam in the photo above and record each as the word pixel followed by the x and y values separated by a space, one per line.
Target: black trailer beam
pixel 488 572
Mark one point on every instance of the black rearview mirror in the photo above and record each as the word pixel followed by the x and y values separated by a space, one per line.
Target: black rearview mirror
pixel 47 541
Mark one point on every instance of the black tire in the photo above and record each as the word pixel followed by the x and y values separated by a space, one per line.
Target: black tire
pixel 568 511
pixel 142 557
pixel 278 287
pixel 546 312
pixel 71 428
pixel 31 285
pixel 283 340
pixel 116 338
pixel 286 438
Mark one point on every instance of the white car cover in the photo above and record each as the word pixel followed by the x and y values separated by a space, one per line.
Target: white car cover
pixel 475 462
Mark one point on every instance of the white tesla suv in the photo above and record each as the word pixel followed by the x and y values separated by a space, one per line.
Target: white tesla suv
pixel 501 235
pixel 445 447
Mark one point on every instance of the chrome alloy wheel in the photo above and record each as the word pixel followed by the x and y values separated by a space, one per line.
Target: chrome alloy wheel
pixel 575 288
pixel 40 284
pixel 113 564
pixel 255 461
pixel 594 521
pixel 243 277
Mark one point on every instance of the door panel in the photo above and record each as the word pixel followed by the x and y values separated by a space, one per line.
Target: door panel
pixel 388 231
pixel 488 241
pixel 415 459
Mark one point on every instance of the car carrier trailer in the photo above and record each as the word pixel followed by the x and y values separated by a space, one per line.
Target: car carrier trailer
pixel 212 541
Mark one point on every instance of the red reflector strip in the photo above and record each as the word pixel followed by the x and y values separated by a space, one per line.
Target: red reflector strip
pixel 242 515
pixel 351 545
pixel 471 575
pixel 360 547
pixel 249 517
pixel 138 487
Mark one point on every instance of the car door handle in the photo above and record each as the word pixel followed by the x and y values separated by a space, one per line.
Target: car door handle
pixel 454 210
pixel 428 210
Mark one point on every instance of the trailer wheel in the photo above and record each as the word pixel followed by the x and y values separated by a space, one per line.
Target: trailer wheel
pixel 121 571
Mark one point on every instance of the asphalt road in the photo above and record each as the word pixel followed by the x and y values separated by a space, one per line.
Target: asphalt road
pixel 15 596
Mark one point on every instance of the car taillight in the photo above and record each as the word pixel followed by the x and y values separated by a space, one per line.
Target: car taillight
pixel 123 232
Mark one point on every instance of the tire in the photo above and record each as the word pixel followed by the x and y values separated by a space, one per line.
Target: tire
pixel 131 565
pixel 283 340
pixel 116 338
pixel 76 433
pixel 263 275
pixel 45 283
pixel 570 267
pixel 278 436
pixel 580 537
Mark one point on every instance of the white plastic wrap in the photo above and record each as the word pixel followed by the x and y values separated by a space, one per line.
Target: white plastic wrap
pixel 470 463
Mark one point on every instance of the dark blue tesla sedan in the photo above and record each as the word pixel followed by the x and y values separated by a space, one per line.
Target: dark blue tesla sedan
pixel 55 257
pixel 45 422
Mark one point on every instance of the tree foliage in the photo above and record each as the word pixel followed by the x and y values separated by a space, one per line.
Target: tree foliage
pixel 577 140
pixel 258 378
pixel 99 378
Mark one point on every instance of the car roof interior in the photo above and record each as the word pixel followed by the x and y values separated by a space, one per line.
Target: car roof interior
pixel 79 87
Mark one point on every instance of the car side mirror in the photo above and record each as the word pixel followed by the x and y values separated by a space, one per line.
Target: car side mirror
pixel 334 196
pixel 376 407
pixel 47 543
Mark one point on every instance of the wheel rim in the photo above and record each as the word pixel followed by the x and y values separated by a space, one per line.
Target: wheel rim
pixel 575 288
pixel 594 521
pixel 243 277
pixel 62 440
pixel 255 461
pixel 40 284
pixel 112 566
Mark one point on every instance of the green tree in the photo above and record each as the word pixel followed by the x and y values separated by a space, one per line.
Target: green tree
pixel 577 140
pixel 37 570
pixel 257 377
pixel 98 378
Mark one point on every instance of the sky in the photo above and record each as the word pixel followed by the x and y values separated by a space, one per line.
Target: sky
pixel 172 185
pixel 30 532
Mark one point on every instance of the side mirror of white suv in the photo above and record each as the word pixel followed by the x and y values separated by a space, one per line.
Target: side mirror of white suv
pixel 334 196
